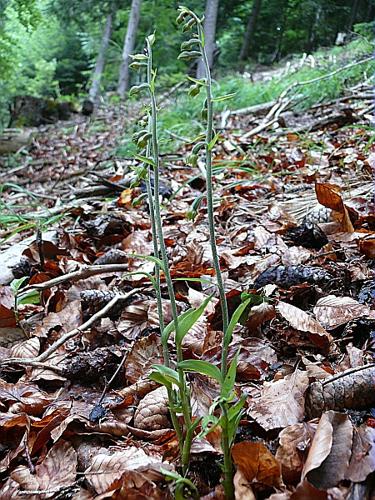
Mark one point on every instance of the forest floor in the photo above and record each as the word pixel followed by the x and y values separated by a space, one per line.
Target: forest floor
pixel 294 213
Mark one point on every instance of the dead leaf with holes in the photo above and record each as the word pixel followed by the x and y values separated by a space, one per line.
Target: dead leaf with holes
pixel 328 459
pixel 332 311
pixel 281 402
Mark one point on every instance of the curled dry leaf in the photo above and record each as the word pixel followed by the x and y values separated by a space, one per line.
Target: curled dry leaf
pixel 328 459
pixel 303 322
pixel 259 315
pixel 152 412
pixel 106 471
pixel 354 388
pixel 281 402
pixel 329 196
pixel 294 441
pixel 58 470
pixel 334 311
pixel 256 463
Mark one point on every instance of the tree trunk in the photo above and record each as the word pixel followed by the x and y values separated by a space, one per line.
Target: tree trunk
pixel 100 61
pixel 353 14
pixel 131 32
pixel 210 17
pixel 311 35
pixel 281 29
pixel 250 29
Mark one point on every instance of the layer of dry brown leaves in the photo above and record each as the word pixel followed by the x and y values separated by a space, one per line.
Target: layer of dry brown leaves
pixel 308 265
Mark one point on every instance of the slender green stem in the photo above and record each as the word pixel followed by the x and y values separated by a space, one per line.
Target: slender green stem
pixel 228 466
pixel 166 357
pixel 210 206
pixel 184 393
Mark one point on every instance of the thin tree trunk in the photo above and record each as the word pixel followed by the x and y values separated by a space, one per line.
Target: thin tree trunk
pixel 210 18
pixel 353 14
pixel 311 36
pixel 250 29
pixel 129 42
pixel 281 29
pixel 100 61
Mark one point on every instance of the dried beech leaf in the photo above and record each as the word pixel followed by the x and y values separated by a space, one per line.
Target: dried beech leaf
pixel 334 311
pixel 7 316
pixel 350 389
pixel 328 195
pixel 362 462
pixel 152 412
pixel 301 321
pixel 26 349
pixel 146 352
pixel 330 452
pixel 281 402
pixel 294 441
pixel 57 470
pixel 106 470
pixel 256 463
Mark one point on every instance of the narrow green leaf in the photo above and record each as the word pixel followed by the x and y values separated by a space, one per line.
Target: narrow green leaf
pixel 150 258
pixel 189 320
pixel 234 320
pixel 230 379
pixel 225 97
pixel 139 57
pixel 200 366
pixel 160 379
pixel 185 321
pixel 151 39
pixel 212 143
pixel 170 375
pixel 145 159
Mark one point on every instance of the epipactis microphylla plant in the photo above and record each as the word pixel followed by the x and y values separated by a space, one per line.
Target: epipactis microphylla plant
pixel 226 410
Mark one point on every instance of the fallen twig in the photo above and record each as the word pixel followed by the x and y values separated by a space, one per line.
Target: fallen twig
pixel 42 357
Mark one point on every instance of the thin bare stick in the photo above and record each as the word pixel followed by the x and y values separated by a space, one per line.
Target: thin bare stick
pixel 83 273
pixel 42 357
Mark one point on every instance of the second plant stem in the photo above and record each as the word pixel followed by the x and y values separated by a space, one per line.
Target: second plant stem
pixel 184 391
pixel 228 467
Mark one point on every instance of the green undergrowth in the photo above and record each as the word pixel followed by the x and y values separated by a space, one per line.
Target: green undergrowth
pixel 179 120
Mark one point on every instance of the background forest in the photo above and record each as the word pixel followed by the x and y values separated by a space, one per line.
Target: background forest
pixel 50 48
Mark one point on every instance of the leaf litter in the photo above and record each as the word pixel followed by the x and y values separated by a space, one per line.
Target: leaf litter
pixel 79 417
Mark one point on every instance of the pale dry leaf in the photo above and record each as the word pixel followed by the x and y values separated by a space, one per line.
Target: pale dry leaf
pixel 257 463
pixel 294 441
pixel 362 462
pixel 242 488
pixel 145 352
pixel 57 470
pixel 300 320
pixel 27 349
pixel 282 402
pixel 332 311
pixel 152 412
pixel 106 470
pixel 259 315
pixel 328 459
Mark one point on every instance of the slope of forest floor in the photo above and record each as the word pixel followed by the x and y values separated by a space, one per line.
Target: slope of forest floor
pixel 294 213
